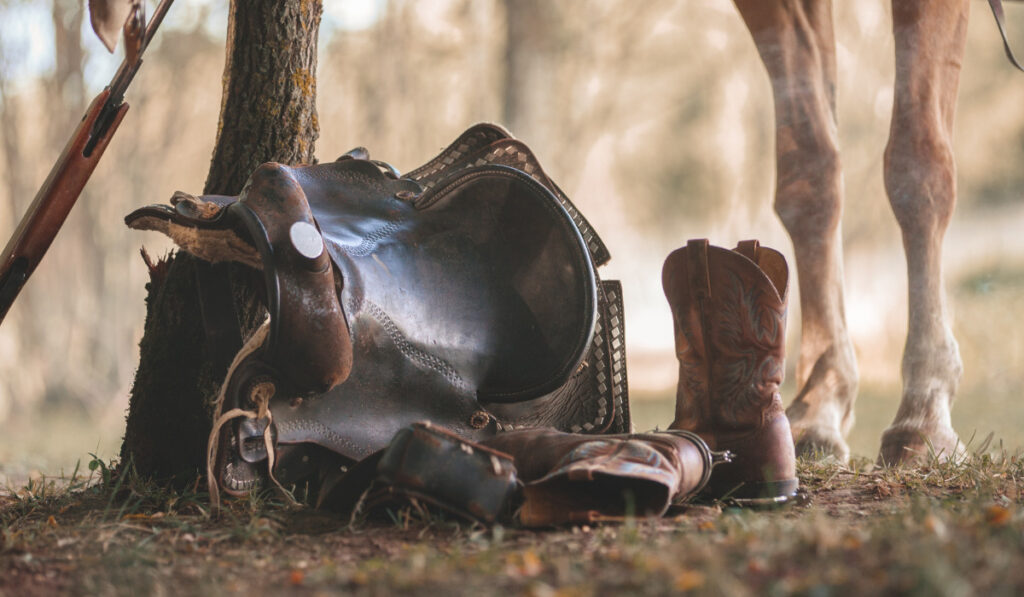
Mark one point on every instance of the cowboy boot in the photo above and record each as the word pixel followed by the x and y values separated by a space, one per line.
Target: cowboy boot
pixel 729 316
pixel 573 478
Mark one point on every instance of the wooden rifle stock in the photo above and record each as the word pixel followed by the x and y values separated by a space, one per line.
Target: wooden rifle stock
pixel 57 196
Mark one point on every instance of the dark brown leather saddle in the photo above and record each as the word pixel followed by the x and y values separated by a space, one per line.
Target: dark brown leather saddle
pixel 463 293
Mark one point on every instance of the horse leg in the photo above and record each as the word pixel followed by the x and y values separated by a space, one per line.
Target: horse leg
pixel 796 43
pixel 920 179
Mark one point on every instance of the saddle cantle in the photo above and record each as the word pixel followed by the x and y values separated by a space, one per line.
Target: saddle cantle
pixel 464 293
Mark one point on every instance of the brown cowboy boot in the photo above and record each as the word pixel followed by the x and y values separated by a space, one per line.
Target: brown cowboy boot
pixel 729 315
pixel 574 478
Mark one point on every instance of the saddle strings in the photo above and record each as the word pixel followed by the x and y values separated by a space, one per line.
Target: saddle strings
pixel 262 400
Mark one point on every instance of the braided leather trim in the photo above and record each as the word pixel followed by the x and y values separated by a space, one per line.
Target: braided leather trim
pixel 611 372
pixel 620 392
pixel 472 140
pixel 600 361
pixel 608 380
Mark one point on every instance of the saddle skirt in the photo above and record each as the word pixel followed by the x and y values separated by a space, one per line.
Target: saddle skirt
pixel 464 293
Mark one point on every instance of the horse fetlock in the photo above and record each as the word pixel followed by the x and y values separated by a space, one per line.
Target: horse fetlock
pixel 931 376
pixel 820 443
pixel 819 430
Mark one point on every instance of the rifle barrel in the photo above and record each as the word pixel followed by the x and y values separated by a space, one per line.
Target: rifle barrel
pixel 126 72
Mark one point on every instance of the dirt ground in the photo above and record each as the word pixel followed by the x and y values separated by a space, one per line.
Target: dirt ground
pixel 944 529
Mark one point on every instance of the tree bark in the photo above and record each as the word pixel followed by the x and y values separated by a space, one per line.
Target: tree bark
pixel 268 114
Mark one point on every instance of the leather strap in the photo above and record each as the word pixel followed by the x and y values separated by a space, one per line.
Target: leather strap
pixel 748 248
pixel 342 490
pixel 700 286
pixel 997 12
pixel 700 279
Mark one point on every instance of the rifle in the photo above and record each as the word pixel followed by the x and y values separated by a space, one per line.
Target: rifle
pixel 83 151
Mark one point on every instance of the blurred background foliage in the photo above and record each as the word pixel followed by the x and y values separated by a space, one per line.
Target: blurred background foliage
pixel 655 117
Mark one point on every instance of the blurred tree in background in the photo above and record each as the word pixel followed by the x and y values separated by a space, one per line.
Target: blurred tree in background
pixel 655 117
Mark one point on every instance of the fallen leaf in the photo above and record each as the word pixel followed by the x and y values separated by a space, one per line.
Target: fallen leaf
pixel 532 565
pixel 295 577
pixel 852 542
pixel 934 525
pixel 756 566
pixel 687 580
pixel 997 516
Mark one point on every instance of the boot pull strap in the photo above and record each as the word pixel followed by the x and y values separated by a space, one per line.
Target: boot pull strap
pixel 700 279
pixel 748 248
pixel 700 287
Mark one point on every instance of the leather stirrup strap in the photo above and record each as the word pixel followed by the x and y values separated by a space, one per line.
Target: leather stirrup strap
pixel 748 248
pixel 997 12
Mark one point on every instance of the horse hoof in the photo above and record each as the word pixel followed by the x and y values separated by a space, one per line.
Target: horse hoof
pixel 910 446
pixel 813 443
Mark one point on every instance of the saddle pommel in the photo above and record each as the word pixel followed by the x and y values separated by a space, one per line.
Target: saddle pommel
pixel 309 337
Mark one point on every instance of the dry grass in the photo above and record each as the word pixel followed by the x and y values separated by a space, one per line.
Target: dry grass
pixel 946 529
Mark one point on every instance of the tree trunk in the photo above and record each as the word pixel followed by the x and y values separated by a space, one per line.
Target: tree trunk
pixel 268 114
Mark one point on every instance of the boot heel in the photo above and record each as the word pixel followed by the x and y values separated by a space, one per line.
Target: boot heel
pixel 763 466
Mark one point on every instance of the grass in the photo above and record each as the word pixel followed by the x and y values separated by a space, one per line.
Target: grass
pixel 945 528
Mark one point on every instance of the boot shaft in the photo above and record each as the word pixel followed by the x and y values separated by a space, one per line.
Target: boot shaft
pixel 729 319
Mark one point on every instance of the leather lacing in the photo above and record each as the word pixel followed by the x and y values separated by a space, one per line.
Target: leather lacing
pixel 262 399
